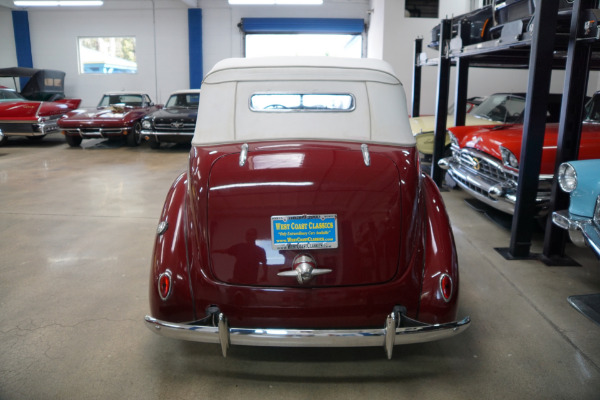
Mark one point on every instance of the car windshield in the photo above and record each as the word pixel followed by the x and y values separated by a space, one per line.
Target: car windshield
pixel 592 110
pixel 131 100
pixel 183 100
pixel 10 95
pixel 501 108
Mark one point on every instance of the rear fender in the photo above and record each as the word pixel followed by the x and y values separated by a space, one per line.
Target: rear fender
pixel 72 103
pixel 170 256
pixel 440 259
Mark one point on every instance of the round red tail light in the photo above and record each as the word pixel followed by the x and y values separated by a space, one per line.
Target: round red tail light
pixel 446 287
pixel 164 285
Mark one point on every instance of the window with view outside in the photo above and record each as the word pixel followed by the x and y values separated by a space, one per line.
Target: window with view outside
pixel 107 55
pixel 333 45
pixel 301 102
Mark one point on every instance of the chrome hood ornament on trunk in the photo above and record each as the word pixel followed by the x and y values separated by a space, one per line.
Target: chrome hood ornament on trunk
pixel 304 269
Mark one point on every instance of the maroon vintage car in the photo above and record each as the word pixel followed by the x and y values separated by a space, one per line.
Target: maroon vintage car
pixel 117 115
pixel 34 112
pixel 303 219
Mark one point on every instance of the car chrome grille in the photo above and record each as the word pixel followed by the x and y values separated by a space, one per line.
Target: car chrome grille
pixel 174 126
pixel 478 163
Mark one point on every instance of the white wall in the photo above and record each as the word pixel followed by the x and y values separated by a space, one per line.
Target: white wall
pixel 161 31
pixel 399 34
pixel 162 66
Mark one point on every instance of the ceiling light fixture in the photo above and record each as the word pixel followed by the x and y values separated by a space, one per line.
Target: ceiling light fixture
pixel 58 3
pixel 275 2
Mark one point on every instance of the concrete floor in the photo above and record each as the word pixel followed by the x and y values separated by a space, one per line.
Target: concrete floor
pixel 76 235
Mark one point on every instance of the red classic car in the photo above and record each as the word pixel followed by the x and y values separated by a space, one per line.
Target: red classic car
pixel 303 219
pixel 33 112
pixel 485 159
pixel 118 115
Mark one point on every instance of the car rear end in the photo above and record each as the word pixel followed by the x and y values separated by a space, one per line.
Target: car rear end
pixel 305 217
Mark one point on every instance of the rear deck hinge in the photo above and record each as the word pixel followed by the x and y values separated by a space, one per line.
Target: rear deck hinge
pixel 365 153
pixel 244 154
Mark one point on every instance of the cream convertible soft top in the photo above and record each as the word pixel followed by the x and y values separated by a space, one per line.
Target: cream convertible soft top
pixel 379 114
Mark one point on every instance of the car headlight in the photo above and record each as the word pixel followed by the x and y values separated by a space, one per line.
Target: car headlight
pixel 508 158
pixel 567 177
pixel 146 124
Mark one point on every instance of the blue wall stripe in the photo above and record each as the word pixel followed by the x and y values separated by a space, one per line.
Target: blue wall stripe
pixel 22 41
pixel 195 51
pixel 303 25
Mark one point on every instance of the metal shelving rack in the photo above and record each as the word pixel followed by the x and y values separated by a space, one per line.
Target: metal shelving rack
pixel 540 50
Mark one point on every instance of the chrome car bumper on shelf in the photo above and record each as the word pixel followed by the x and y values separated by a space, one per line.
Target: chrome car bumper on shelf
pixel 397 329
pixel 500 193
pixel 582 230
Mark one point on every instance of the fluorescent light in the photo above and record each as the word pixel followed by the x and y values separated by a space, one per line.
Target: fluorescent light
pixel 272 2
pixel 57 3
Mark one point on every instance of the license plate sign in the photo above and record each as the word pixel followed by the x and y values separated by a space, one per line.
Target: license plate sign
pixel 304 232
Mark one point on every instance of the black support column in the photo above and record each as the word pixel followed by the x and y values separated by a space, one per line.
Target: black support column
pixel 540 73
pixel 462 78
pixel 441 110
pixel 571 117
pixel 416 88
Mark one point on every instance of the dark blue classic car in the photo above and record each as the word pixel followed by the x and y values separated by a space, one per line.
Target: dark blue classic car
pixel 582 219
pixel 175 122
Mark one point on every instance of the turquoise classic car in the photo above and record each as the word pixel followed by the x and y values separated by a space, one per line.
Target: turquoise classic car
pixel 582 219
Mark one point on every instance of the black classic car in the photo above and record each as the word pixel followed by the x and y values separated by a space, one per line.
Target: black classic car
pixel 174 123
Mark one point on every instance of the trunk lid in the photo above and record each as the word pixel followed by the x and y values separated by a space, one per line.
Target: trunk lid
pixel 331 185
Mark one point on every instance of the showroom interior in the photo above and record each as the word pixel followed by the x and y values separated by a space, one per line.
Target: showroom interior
pixel 78 224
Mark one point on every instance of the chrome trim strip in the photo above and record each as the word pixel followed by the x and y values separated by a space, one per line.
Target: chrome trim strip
pixel 387 336
pixel 365 152
pixel 93 132
pixel 166 133
pixel 243 154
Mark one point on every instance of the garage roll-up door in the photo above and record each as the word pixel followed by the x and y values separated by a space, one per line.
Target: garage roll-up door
pixel 346 26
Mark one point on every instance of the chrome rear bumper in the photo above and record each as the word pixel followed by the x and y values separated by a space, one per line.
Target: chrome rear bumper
pixel 398 329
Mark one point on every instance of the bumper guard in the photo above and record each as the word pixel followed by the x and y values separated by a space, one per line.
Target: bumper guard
pixel 581 230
